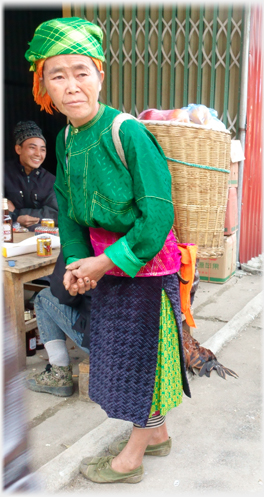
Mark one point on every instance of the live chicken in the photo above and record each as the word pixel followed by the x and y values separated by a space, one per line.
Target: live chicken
pixel 201 358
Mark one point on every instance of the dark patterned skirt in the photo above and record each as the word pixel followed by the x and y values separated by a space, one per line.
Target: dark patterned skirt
pixel 125 316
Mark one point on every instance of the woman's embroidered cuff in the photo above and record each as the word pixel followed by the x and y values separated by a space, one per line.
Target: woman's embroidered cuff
pixel 123 257
pixel 76 250
pixel 71 259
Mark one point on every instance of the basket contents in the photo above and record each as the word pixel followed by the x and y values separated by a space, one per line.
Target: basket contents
pixel 197 114
pixel 180 115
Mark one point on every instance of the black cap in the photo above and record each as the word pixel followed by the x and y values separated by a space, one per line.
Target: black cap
pixel 27 129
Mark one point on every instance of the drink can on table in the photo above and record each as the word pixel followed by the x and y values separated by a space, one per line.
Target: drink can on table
pixel 44 248
pixel 50 223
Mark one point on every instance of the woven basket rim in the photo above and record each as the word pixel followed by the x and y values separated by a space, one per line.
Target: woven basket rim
pixel 183 125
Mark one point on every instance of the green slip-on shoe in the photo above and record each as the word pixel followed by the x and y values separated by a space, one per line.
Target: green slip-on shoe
pixel 99 470
pixel 162 449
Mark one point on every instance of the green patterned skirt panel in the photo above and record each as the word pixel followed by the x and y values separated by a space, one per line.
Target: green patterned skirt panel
pixel 168 388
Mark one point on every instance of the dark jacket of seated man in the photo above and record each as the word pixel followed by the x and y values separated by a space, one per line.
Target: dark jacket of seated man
pixel 31 194
pixel 81 302
pixel 28 186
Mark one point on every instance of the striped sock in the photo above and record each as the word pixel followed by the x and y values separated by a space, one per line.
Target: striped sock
pixel 153 422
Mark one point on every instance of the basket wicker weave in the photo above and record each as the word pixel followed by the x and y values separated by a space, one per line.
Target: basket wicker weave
pixel 199 194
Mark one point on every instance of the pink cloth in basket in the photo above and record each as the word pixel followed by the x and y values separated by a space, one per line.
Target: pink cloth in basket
pixel 167 261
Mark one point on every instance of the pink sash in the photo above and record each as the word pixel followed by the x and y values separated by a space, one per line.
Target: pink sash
pixel 167 261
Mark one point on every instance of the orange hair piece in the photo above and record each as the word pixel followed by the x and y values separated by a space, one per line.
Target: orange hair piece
pixel 98 63
pixel 41 96
pixel 42 99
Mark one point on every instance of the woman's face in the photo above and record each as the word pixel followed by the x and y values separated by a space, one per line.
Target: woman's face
pixel 73 83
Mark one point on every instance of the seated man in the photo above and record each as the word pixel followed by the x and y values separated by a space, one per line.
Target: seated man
pixel 60 315
pixel 28 186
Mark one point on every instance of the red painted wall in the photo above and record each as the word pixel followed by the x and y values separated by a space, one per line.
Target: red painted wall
pixel 251 211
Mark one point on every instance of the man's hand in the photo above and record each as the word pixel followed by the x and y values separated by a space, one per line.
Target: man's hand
pixel 11 206
pixel 27 220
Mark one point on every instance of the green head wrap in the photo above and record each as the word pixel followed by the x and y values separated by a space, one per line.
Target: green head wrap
pixel 68 35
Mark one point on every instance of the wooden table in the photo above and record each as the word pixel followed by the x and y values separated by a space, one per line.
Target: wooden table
pixel 28 267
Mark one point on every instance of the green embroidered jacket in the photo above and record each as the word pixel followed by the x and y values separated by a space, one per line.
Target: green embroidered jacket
pixel 94 188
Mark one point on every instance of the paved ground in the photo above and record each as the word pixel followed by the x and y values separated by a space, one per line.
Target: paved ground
pixel 56 423
pixel 216 434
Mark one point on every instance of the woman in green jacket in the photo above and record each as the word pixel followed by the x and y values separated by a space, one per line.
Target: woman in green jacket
pixel 137 370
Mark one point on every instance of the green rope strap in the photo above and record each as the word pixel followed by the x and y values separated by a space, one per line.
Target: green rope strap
pixel 200 167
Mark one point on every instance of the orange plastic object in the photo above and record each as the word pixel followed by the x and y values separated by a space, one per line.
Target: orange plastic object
pixel 188 259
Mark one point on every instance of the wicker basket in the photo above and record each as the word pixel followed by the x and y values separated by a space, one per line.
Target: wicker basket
pixel 199 194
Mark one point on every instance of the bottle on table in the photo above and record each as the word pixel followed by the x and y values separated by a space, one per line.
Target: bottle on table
pixel 7 223
pixel 31 342
pixel 39 344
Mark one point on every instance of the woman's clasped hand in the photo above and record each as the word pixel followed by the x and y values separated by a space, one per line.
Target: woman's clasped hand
pixel 82 275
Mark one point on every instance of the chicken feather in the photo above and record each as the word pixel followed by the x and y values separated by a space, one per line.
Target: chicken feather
pixel 203 359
